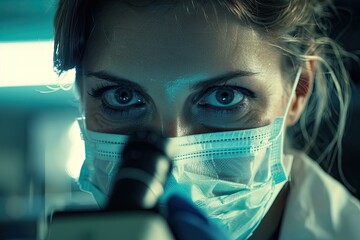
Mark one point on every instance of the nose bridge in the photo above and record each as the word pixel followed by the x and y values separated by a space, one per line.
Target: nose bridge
pixel 171 125
pixel 170 101
pixel 170 120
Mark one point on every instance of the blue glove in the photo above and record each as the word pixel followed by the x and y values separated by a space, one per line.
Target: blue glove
pixel 189 223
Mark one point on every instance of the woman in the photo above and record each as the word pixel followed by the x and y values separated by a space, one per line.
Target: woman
pixel 222 80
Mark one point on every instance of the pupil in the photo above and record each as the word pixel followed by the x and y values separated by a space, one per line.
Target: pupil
pixel 225 96
pixel 123 95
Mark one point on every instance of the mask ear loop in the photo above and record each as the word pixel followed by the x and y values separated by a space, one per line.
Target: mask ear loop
pixel 81 119
pixel 82 125
pixel 292 93
pixel 280 122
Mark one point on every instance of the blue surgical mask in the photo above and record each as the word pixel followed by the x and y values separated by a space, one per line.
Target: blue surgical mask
pixel 233 176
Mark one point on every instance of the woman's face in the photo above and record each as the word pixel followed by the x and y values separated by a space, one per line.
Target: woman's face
pixel 179 73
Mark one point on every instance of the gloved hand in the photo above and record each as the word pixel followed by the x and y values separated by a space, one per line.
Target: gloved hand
pixel 188 223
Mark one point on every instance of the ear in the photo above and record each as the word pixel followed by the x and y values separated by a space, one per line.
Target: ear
pixel 302 93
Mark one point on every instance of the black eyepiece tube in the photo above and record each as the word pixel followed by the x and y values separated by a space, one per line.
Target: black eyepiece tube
pixel 143 171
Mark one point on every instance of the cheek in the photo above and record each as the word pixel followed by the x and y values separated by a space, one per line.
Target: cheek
pixel 278 105
pixel 95 121
pixel 276 99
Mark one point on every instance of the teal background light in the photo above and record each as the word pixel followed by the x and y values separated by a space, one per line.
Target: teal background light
pixel 26 20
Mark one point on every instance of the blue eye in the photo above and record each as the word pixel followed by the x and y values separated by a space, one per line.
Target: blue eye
pixel 222 97
pixel 121 97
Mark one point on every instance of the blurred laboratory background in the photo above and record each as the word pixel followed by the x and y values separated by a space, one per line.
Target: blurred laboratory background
pixel 41 151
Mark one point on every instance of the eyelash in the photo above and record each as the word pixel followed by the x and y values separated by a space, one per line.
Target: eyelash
pixel 247 94
pixel 98 91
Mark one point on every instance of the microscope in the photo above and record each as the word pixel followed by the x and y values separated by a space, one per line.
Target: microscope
pixel 132 210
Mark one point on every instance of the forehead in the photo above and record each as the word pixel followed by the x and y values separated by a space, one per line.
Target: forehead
pixel 174 42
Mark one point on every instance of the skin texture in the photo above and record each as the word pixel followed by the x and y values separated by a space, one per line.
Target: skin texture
pixel 165 60
pixel 166 56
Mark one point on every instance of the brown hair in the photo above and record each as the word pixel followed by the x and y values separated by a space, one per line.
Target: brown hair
pixel 299 28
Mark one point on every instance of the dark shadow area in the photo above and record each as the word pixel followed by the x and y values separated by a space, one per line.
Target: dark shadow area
pixel 346 29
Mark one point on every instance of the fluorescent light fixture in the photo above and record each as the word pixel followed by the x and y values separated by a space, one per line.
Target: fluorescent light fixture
pixel 30 64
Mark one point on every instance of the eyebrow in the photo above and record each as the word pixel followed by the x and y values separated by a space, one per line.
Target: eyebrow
pixel 221 79
pixel 115 79
pixel 199 85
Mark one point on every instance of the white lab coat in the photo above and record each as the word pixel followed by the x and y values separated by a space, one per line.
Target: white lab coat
pixel 318 207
